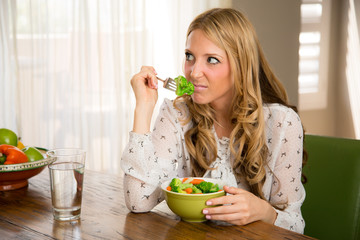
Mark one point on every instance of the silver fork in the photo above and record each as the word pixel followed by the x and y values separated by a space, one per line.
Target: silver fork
pixel 169 83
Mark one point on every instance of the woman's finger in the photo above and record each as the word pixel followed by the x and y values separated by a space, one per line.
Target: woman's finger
pixel 226 209
pixel 150 75
pixel 233 190
pixel 148 68
pixel 229 199
pixel 236 195
pixel 233 218
pixel 147 75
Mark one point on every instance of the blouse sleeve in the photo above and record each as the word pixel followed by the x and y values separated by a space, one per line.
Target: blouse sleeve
pixel 149 159
pixel 287 191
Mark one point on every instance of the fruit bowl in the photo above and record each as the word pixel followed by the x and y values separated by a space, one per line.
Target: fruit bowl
pixel 189 206
pixel 15 176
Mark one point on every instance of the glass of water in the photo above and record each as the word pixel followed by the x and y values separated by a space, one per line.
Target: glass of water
pixel 66 182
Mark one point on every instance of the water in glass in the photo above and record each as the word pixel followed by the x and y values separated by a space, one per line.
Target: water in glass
pixel 66 179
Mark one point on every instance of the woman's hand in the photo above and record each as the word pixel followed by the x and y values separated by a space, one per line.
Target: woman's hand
pixel 243 208
pixel 144 85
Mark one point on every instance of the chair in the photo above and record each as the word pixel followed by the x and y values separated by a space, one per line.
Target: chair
pixel 332 205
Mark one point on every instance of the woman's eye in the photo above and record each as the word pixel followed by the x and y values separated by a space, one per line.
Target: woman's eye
pixel 212 60
pixel 189 57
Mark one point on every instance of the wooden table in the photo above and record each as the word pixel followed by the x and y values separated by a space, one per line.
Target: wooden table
pixel 26 214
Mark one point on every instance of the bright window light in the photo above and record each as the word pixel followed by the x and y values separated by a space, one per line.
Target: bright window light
pixel 309 37
pixel 308 83
pixel 311 13
pixel 313 54
pixel 352 68
pixel 309 66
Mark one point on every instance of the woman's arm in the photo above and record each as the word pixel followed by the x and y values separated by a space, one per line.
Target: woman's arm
pixel 287 190
pixel 144 85
pixel 149 159
pixel 283 182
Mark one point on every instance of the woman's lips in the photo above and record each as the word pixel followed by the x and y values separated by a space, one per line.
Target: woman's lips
pixel 199 88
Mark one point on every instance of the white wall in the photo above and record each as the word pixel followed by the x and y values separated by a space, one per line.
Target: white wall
pixel 277 23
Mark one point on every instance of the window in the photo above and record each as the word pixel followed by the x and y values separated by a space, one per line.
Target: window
pixel 69 85
pixel 313 54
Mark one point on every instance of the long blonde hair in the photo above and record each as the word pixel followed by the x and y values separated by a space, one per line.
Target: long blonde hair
pixel 254 83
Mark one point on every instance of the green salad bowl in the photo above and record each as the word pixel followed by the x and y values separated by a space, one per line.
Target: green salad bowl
pixel 189 206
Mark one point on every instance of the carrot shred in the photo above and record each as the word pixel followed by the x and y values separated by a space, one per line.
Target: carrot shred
pixel 168 188
pixel 188 190
pixel 197 181
pixel 184 179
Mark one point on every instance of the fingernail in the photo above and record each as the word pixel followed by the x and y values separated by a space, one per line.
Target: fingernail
pixel 208 217
pixel 208 203
pixel 205 211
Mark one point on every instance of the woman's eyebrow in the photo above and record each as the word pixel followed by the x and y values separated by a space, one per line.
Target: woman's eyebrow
pixel 206 54
pixel 213 55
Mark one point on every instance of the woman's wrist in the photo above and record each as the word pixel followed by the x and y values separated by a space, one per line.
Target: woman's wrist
pixel 142 117
pixel 270 213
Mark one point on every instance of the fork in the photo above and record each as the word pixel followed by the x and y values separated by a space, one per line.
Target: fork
pixel 169 83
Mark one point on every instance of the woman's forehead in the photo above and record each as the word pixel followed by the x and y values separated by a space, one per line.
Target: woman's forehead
pixel 198 41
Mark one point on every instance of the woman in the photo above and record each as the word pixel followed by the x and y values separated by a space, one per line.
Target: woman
pixel 237 126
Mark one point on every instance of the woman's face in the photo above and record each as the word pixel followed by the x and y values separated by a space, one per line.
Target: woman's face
pixel 207 67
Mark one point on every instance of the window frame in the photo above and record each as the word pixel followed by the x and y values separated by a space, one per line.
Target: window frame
pixel 318 99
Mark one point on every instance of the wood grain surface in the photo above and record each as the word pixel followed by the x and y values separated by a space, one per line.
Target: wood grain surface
pixel 26 214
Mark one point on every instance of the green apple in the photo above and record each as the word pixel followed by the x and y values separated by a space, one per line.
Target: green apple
pixel 33 154
pixel 8 137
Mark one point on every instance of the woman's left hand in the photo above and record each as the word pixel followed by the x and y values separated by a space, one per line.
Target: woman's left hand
pixel 242 208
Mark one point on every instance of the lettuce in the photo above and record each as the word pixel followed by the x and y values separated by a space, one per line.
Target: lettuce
pixel 183 86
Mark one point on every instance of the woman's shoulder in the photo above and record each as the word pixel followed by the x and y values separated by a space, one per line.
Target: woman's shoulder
pixel 278 116
pixel 177 108
pixel 176 112
pixel 279 112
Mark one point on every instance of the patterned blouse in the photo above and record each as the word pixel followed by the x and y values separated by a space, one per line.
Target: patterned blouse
pixel 152 158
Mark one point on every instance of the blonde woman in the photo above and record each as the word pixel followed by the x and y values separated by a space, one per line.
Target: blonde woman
pixel 237 126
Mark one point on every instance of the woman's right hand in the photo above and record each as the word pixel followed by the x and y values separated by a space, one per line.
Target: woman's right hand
pixel 144 85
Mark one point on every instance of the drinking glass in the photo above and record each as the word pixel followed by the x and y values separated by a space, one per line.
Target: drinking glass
pixel 66 182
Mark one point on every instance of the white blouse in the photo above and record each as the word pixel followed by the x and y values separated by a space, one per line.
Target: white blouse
pixel 150 159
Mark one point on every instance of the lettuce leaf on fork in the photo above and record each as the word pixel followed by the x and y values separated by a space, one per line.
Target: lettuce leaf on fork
pixel 183 86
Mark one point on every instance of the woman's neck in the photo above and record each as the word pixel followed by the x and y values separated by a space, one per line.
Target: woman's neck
pixel 222 122
pixel 222 118
pixel 222 131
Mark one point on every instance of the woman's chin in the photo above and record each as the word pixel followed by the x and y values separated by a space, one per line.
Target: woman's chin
pixel 198 99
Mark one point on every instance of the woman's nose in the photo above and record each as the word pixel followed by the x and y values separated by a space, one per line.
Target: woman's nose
pixel 196 71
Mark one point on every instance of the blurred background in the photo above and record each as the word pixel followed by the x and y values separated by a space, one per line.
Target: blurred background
pixel 65 65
